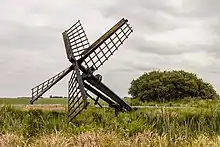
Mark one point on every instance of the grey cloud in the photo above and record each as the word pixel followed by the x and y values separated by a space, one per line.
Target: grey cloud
pixel 152 16
pixel 133 68
pixel 201 8
pixel 170 34
pixel 147 16
pixel 142 16
pixel 20 36
pixel 162 48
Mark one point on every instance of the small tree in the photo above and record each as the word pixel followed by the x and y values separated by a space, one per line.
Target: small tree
pixel 170 85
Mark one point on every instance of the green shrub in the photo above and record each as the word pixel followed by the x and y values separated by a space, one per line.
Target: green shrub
pixel 170 85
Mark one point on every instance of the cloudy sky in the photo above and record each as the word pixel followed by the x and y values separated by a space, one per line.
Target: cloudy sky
pixel 171 34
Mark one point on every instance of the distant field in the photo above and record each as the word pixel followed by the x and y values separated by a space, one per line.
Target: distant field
pixel 27 101
pixel 195 102
pixel 24 101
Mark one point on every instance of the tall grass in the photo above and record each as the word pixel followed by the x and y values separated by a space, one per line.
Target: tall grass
pixel 165 125
pixel 183 122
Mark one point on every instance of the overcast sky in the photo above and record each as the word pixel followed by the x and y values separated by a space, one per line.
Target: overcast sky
pixel 171 34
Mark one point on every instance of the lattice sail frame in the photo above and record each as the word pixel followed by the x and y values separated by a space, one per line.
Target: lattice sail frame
pixel 76 41
pixel 77 98
pixel 108 47
pixel 40 89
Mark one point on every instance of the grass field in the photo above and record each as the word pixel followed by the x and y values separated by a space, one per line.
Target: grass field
pixel 187 102
pixel 27 101
pixel 196 126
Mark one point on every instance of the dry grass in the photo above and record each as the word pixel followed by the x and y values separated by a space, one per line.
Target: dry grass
pixel 45 107
pixel 101 139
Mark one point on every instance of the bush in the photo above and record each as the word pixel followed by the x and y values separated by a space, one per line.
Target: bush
pixel 170 85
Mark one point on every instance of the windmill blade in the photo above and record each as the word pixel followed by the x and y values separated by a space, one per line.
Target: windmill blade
pixel 77 99
pixel 40 89
pixel 75 41
pixel 105 46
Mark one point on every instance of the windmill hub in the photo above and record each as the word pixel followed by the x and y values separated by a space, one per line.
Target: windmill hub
pixel 85 60
pixel 91 69
pixel 98 77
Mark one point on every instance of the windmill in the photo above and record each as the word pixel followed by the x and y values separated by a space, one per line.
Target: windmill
pixel 85 59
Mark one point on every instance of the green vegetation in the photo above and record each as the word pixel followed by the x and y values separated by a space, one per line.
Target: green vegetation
pixel 35 122
pixel 172 125
pixel 170 85
pixel 27 101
